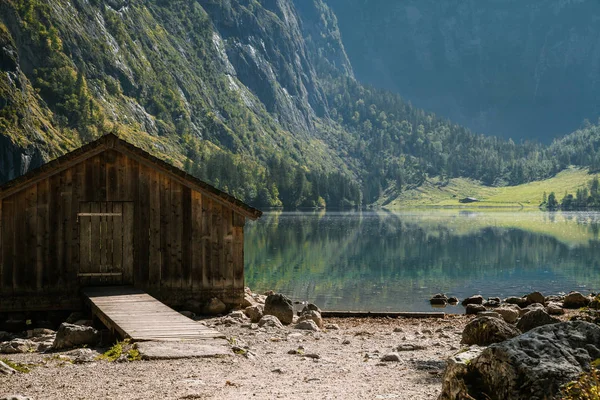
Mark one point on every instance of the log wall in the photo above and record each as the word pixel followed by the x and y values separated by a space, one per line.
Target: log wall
pixel 186 245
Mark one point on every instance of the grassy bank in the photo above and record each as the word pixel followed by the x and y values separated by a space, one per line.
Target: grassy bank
pixel 434 193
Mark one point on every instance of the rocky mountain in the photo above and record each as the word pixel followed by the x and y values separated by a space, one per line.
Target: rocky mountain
pixel 519 69
pixel 256 97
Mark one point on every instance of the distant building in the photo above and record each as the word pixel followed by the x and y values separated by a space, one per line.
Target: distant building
pixel 109 213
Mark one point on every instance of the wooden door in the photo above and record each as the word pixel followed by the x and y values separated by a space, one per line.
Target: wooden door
pixel 105 243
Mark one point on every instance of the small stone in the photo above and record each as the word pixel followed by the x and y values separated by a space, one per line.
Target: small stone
pixel 188 314
pixel 307 325
pixel 313 315
pixel 248 301
pixel 531 307
pixel 255 313
pixel 398 329
pixel 391 357
pixel 270 321
pixel 491 304
pixel 81 356
pixel 15 397
pixel 510 313
pixel 535 297
pixel 312 355
pixel 492 314
pixel 409 347
pixel 311 307
pixel 473 309
pixel 17 346
pixel 575 300
pixel 6 370
pixel 554 309
pixel 452 300
pixel 346 341
pixel 332 327
pixel 477 299
pixel 439 299
pixel 239 315
pixel 495 299
pixel 520 301
pixel 279 371
pixel 215 306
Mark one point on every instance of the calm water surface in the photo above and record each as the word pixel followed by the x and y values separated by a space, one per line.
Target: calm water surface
pixel 378 260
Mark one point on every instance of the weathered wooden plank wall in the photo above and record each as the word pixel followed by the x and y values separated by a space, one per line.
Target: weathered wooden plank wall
pixel 185 244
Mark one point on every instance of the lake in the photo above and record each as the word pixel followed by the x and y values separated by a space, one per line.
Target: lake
pixel 395 261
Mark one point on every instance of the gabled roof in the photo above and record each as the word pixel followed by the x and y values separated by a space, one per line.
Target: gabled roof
pixel 113 142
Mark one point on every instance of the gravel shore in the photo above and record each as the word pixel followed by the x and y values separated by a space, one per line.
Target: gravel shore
pixel 343 361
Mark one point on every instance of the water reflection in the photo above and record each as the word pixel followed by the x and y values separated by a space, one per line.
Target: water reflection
pixel 395 261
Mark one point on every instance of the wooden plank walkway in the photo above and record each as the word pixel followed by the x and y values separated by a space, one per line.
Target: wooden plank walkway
pixel 134 314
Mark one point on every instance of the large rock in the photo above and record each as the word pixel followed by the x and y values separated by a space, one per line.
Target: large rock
pixel 215 306
pixel 477 299
pixel 456 374
pixel 70 335
pixel 281 307
pixel 535 297
pixel 575 300
pixel 484 331
pixel 554 309
pixel 509 312
pixel 530 366
pixel 534 319
pixel 439 299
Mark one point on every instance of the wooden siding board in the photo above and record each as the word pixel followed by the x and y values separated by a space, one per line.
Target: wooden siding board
pixel 206 231
pixel 142 231
pixel 29 265
pixel 165 237
pixel 216 244
pixel 196 252
pixel 128 251
pixel 78 193
pixel 186 238
pixel 67 226
pixel 176 233
pixel 8 238
pixel 118 238
pixel 154 256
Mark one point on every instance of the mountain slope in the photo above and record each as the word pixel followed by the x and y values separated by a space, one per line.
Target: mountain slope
pixel 519 69
pixel 257 98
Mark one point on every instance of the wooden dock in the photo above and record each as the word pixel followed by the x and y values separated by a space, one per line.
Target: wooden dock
pixel 133 314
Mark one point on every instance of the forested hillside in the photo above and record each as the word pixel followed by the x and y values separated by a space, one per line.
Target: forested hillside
pixel 257 98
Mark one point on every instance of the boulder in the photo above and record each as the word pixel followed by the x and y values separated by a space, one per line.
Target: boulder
pixel 508 312
pixel 530 366
pixel 270 321
pixel 473 309
pixel 17 346
pixel 312 315
pixel 534 319
pixel 531 307
pixel 439 299
pixel 457 373
pixel 307 325
pixel 575 300
pixel 484 331
pixel 215 307
pixel 519 301
pixel 554 309
pixel 477 299
pixel 255 313
pixel 535 297
pixel 452 300
pixel 70 335
pixel 5 369
pixel 281 307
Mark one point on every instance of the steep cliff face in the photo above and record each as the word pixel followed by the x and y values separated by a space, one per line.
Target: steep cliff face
pixel 511 68
pixel 165 74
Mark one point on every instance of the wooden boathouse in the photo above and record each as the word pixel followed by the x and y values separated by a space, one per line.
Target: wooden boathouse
pixel 110 214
